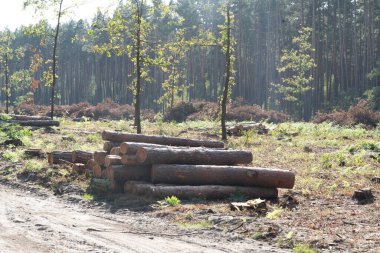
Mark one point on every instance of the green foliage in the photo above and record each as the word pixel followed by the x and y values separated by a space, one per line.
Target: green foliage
pixel 303 248
pixel 275 214
pixel 373 97
pixel 296 66
pixel 34 165
pixel 172 201
pixel 10 131
pixel 88 197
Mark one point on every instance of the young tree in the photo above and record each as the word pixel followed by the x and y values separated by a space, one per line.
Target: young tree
pixel 129 35
pixel 6 55
pixel 51 76
pixel 227 43
pixel 296 66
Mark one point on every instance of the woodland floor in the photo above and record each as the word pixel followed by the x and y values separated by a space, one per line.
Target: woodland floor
pixel 50 209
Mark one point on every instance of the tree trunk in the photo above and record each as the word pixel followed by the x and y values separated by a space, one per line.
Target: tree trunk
pixel 79 156
pixel 36 123
pixel 192 156
pixel 28 118
pixel 203 191
pixel 55 60
pixel 162 140
pixel 228 75
pixel 123 173
pixel 115 151
pixel 55 157
pixel 6 73
pixel 79 168
pixel 130 160
pixel 222 175
pixel 130 148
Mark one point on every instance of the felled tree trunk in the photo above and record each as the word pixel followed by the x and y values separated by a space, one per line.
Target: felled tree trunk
pixel 34 153
pixel 79 168
pixel 122 173
pixel 112 160
pixel 203 191
pixel 36 123
pixel 27 117
pixel 100 156
pixel 80 156
pixel 222 175
pixel 130 148
pixel 163 140
pixel 192 156
pixel 115 151
pixel 129 160
pixel 55 157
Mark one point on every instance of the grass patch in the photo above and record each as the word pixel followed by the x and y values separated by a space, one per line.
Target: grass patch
pixel 172 201
pixel 275 214
pixel 304 248
pixel 88 197
pixel 199 225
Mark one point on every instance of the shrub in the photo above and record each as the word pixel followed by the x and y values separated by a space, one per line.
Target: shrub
pixel 172 201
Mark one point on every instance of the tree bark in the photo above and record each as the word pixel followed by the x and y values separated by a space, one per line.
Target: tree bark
pixel 123 173
pixel 162 140
pixel 192 156
pixel 222 175
pixel 79 168
pixel 204 191
pixel 130 160
pixel 27 117
pixel 36 123
pixel 130 148
pixel 115 151
pixel 55 157
pixel 79 156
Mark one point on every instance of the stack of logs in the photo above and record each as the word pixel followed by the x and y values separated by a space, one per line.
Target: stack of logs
pixel 159 166
pixel 80 161
pixel 32 121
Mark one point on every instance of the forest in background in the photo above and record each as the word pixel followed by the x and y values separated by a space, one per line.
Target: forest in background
pixel 186 60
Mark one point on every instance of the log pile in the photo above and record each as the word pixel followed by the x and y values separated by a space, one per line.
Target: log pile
pixel 160 166
pixel 32 121
pixel 80 161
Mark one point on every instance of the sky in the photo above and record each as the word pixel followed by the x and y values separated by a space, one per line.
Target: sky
pixel 13 16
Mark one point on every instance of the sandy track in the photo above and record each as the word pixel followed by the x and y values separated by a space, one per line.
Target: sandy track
pixel 32 222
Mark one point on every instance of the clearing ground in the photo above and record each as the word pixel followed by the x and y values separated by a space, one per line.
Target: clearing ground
pixel 318 215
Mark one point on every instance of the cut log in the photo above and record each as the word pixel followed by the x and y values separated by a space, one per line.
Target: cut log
pixel 129 160
pixel 122 173
pixel 222 175
pixel 115 151
pixel 163 140
pixel 80 156
pixel 112 160
pixel 238 130
pixel 36 123
pixel 27 117
pixel 130 148
pixel 98 171
pixel 108 145
pixel 79 168
pixel 204 156
pixel 203 191
pixel 55 156
pixel 100 156
pixel 116 186
pixel 34 153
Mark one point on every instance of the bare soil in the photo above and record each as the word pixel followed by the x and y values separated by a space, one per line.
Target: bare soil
pixel 36 221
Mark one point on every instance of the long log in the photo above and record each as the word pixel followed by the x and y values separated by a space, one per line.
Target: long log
pixel 130 148
pixel 203 191
pixel 27 117
pixel 192 156
pixel 80 156
pixel 36 123
pixel 55 157
pixel 100 156
pixel 163 140
pixel 122 173
pixel 108 145
pixel 222 175
pixel 112 160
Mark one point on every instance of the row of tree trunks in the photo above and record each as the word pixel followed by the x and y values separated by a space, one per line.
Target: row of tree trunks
pixel 222 175
pixel 203 191
pixel 79 156
pixel 36 123
pixel 123 173
pixel 162 140
pixel 27 118
pixel 56 157
pixel 200 156
pixel 108 145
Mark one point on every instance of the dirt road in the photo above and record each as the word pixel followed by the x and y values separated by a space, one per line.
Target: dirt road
pixel 31 222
